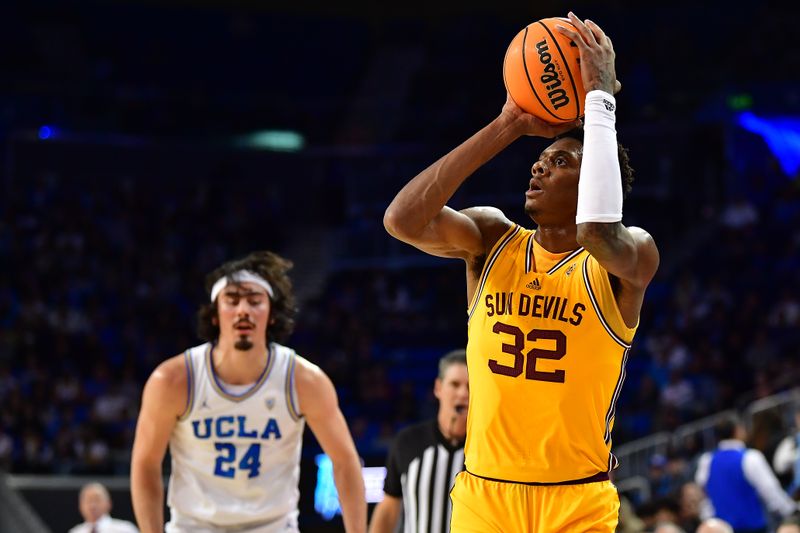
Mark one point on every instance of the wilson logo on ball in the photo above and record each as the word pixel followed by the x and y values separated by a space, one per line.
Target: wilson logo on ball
pixel 550 78
pixel 542 72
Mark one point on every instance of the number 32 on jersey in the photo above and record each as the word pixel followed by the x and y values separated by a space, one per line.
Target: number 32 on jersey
pixel 527 361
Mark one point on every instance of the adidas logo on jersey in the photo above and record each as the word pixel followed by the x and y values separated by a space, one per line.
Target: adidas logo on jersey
pixel 570 269
pixel 535 285
pixel 270 403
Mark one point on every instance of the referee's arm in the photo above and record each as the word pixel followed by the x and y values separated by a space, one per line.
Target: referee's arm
pixel 386 515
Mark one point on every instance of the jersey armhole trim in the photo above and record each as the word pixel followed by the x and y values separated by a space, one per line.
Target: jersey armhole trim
pixel 291 406
pixel 596 305
pixel 611 414
pixel 493 255
pixel 189 386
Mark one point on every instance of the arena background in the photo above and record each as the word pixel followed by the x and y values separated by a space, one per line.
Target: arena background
pixel 146 142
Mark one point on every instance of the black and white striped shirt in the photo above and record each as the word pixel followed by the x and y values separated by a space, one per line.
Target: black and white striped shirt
pixel 421 469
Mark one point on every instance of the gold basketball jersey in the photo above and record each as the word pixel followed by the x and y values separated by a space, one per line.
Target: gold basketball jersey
pixel 546 357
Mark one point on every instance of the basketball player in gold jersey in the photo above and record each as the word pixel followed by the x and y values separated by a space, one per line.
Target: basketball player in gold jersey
pixel 552 312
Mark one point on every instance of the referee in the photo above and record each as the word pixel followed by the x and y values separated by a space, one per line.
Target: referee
pixel 425 458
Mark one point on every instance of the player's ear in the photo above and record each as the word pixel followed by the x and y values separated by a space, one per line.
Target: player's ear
pixel 437 388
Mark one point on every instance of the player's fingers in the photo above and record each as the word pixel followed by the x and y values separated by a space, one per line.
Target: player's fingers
pixel 609 44
pixel 576 37
pixel 587 34
pixel 597 32
pixel 554 130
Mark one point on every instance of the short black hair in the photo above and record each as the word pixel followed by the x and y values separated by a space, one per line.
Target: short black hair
pixel 272 268
pixel 451 358
pixel 726 429
pixel 622 154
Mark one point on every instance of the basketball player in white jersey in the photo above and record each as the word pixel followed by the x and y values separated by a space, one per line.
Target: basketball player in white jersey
pixel 233 411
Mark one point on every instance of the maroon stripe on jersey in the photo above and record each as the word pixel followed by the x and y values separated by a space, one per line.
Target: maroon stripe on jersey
pixel 565 260
pixel 529 254
pixel 612 409
pixel 596 306
pixel 489 264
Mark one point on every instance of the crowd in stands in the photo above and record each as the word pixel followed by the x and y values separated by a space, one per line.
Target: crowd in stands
pixel 102 284
pixel 101 275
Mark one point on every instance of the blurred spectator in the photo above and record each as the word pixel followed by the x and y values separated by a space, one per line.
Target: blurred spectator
pixel 786 312
pixel 659 511
pixel 739 482
pixel 628 521
pixel 786 460
pixel 678 392
pixel 668 527
pixel 714 525
pixel 667 473
pixel 693 506
pixel 766 430
pixel 660 482
pixel 94 503
pixel 789 524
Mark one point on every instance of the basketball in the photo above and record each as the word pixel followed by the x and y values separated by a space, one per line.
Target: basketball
pixel 542 72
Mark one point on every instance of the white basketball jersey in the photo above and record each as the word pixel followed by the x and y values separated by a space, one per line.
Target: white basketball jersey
pixel 236 458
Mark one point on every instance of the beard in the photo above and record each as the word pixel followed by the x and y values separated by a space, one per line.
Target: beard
pixel 243 344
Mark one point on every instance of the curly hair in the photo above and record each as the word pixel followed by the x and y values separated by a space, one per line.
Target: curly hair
pixel 272 268
pixel 622 154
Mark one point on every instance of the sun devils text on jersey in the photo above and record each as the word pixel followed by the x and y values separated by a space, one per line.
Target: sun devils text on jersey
pixel 546 355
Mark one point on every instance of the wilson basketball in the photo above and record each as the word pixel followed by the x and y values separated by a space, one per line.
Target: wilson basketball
pixel 542 72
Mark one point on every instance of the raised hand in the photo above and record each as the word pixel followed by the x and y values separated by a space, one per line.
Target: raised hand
pixel 597 54
pixel 528 124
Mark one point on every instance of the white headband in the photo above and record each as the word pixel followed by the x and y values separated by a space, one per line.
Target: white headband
pixel 240 276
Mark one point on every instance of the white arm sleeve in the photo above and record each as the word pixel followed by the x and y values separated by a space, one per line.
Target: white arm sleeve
pixel 758 473
pixel 600 186
pixel 701 478
pixel 785 456
pixel 703 467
